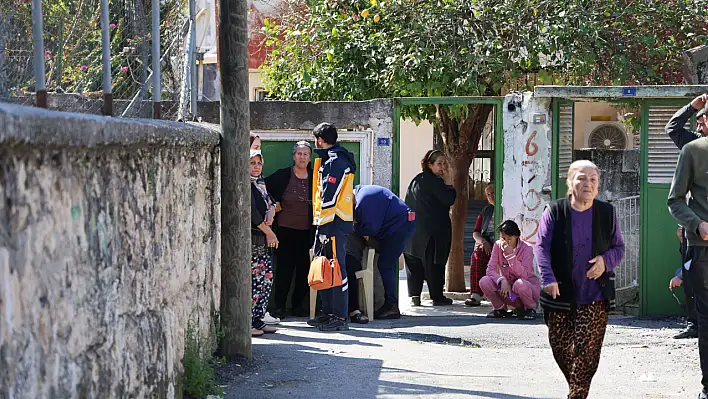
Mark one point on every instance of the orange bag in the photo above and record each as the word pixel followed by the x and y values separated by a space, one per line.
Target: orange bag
pixel 325 273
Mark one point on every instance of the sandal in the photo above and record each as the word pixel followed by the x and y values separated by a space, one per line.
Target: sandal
pixel 358 317
pixel 499 314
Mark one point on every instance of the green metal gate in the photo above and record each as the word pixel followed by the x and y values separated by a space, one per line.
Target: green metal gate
pixel 659 245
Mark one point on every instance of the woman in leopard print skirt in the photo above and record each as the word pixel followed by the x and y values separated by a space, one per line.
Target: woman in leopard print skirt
pixel 579 246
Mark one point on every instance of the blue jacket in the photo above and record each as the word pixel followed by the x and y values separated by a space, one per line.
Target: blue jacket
pixel 378 212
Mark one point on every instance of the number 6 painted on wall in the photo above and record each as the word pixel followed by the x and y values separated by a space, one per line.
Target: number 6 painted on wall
pixel 531 147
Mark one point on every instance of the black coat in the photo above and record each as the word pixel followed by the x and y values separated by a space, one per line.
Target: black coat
pixel 431 199
pixel 258 213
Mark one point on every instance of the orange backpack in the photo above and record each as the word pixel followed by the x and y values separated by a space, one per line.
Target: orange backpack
pixel 325 273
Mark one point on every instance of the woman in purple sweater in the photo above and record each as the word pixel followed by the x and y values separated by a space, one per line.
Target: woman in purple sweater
pixel 579 247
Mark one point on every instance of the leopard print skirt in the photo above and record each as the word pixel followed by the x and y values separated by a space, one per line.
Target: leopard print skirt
pixel 576 340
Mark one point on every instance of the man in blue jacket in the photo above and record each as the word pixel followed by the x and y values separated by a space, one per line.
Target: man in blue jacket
pixel 333 214
pixel 380 215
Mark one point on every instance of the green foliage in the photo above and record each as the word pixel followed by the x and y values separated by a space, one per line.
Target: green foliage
pixel 362 49
pixel 198 378
pixel 72 34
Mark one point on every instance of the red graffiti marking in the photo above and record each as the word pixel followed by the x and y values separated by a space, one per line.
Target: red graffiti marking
pixel 538 200
pixel 535 230
pixel 531 147
pixel 527 163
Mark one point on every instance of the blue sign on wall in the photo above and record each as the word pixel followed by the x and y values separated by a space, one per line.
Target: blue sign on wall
pixel 383 141
pixel 629 91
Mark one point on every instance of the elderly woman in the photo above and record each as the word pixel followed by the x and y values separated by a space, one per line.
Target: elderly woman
pixel 263 241
pixel 510 280
pixel 579 246
pixel 430 196
pixel 291 188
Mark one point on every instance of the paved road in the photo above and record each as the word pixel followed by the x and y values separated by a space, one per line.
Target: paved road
pixel 454 352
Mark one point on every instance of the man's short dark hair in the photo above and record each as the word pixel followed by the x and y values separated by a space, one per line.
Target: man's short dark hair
pixel 327 132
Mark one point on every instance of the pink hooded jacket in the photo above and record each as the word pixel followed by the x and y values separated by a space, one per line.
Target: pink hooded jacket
pixel 519 265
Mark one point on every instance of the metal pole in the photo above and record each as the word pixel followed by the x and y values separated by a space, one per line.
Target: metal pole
pixel 156 82
pixel 106 58
pixel 38 43
pixel 193 57
pixel 60 53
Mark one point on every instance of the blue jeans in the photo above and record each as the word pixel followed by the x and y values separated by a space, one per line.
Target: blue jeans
pixel 391 249
pixel 335 301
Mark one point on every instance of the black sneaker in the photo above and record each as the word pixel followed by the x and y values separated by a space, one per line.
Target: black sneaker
pixel 690 332
pixel 334 324
pixel 321 319
pixel 415 301
pixel 442 302
pixel 528 314
pixel 472 302
pixel 703 395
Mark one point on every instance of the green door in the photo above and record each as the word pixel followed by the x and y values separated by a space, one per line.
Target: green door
pixel 278 154
pixel 562 155
pixel 659 246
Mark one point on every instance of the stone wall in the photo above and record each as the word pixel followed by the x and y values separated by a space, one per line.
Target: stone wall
pixel 109 248
pixel 619 171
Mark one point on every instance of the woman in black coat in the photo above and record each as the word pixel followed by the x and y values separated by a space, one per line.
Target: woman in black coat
pixel 430 196
pixel 291 188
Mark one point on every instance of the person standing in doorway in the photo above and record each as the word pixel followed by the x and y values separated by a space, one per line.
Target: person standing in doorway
pixel 483 235
pixel 381 216
pixel 291 188
pixel 579 246
pixel 255 142
pixel 430 195
pixel 333 215
pixel 691 176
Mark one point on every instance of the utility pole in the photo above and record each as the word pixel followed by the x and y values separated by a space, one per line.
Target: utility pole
pixel 235 182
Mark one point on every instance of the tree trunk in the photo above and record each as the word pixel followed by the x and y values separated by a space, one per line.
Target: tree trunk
pixel 235 184
pixel 459 162
pixel 3 72
pixel 460 138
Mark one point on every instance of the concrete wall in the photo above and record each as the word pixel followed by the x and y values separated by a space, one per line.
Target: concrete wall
pixel 109 247
pixel 619 171
pixel 527 161
pixel 374 115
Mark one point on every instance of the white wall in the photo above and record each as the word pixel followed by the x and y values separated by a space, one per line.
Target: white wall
pixel 254 82
pixel 415 142
pixel 527 163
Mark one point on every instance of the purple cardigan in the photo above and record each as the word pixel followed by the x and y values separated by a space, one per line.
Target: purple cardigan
pixel 586 290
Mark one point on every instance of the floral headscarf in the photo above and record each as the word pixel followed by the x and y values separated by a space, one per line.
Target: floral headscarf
pixel 259 182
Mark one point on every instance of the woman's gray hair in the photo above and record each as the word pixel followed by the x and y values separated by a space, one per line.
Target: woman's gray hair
pixel 302 143
pixel 573 170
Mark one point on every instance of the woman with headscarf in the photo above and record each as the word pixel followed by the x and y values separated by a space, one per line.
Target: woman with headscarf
pixel 263 242
pixel 430 195
pixel 579 246
pixel 291 189
pixel 255 142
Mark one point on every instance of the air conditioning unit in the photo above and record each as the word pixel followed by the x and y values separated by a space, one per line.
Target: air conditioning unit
pixel 607 135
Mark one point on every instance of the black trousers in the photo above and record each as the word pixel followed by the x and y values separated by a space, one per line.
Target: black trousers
pixel 292 258
pixel 418 270
pixel 690 298
pixel 353 266
pixel 698 276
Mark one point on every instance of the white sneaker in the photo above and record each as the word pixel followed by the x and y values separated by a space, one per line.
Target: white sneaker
pixel 270 320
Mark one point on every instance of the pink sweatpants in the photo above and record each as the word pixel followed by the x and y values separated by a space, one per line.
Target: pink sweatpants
pixel 528 293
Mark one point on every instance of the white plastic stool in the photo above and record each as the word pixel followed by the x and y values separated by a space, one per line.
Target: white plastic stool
pixel 366 274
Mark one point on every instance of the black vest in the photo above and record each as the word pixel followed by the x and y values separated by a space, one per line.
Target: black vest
pixel 603 228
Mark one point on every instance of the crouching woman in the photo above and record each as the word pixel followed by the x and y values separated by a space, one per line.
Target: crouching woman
pixel 510 280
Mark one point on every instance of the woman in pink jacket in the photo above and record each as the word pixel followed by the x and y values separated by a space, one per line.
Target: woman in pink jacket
pixel 510 280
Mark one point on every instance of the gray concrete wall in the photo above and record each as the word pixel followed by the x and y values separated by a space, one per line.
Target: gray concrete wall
pixel 109 248
pixel 619 171
pixel 376 115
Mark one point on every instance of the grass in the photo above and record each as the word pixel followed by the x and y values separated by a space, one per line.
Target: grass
pixel 199 379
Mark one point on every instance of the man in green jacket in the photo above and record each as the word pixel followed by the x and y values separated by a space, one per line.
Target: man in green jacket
pixel 692 176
